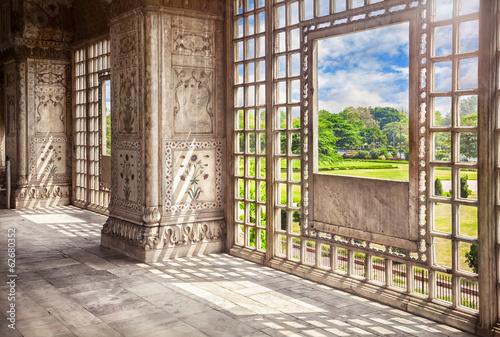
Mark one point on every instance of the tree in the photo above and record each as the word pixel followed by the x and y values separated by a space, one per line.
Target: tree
pixel 385 115
pixel 438 187
pixel 468 106
pixel 464 187
pixel 347 134
pixel 327 151
pixel 373 137
pixel 359 117
pixel 468 140
pixel 471 258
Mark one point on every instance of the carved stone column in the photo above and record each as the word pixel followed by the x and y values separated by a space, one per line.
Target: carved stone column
pixel 167 137
pixel 37 100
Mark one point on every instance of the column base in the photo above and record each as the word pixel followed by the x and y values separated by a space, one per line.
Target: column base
pixel 40 196
pixel 163 242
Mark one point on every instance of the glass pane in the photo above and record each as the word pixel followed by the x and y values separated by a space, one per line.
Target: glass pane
pixel 261 71
pixel 443 40
pixel 261 22
pixel 262 141
pixel 444 9
pixel 468 110
pixel 282 245
pixel 468 179
pixel 296 223
pixel 442 251
pixel 280 17
pixel 282 165
pixel 358 3
pixel 442 111
pixel 324 7
pixel 442 76
pixel 251 190
pixel 442 182
pixel 468 73
pixel 281 66
pixel 261 46
pixel 468 147
pixel 250 24
pixel 239 74
pixel 294 39
pixel 262 119
pixel 262 193
pixel 296 194
pixel 468 257
pixel 442 217
pixel 468 220
pixel 308 9
pixel 282 194
pixel 442 146
pixel 280 42
pixel 294 69
pixel 250 72
pixel 469 36
pixel 470 6
pixel 294 13
pixel 281 92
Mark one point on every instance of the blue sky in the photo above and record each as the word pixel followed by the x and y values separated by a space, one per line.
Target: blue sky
pixel 367 68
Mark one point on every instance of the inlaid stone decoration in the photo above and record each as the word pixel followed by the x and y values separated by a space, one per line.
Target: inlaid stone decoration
pixel 193 175
pixel 194 103
pixel 50 158
pixel 127 175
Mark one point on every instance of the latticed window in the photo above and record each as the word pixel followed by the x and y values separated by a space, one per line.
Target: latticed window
pixel 280 212
pixel 91 62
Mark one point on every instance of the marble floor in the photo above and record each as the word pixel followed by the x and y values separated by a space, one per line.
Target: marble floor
pixel 68 285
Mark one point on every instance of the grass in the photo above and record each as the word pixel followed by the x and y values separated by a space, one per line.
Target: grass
pixel 468 214
pixel 468 226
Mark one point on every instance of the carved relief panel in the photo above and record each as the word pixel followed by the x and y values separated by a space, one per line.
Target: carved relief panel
pixel 126 79
pixel 128 118
pixel 194 104
pixel 50 98
pixel 193 76
pixel 10 103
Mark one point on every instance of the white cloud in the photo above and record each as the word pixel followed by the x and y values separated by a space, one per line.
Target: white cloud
pixel 364 69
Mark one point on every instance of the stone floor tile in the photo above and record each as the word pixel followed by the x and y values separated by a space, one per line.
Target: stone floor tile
pixel 179 330
pixel 130 313
pixel 44 326
pixel 97 330
pixel 145 325
pixel 214 323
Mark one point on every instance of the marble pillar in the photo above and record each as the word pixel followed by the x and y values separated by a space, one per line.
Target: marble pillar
pixel 167 132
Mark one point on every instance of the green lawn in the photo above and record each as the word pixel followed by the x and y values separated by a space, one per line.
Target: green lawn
pixel 442 216
pixel 442 222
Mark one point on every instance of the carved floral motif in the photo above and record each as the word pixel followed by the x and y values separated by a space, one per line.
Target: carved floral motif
pixel 128 103
pixel 193 44
pixel 193 109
